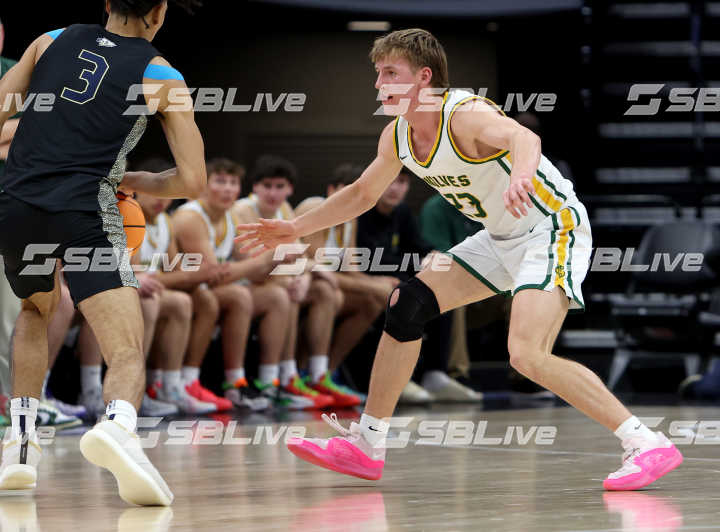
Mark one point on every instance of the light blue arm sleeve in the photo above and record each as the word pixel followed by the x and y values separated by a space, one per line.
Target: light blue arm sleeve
pixel 54 33
pixel 162 72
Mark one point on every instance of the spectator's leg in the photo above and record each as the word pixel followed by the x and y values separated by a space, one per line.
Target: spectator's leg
pixel 459 362
pixel 357 315
pixel 9 312
pixel 319 325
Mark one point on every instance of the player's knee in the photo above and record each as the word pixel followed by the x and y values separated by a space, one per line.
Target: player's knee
pixel 241 299
pixel 278 298
pixel 205 302
pixel 181 305
pixel 322 291
pixel 525 356
pixel 412 304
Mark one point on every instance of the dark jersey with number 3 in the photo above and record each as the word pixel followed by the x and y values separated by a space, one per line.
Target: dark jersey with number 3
pixel 72 157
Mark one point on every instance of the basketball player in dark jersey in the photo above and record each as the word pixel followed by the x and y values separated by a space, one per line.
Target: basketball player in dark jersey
pixel 59 194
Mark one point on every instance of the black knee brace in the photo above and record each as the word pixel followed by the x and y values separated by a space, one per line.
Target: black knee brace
pixel 416 305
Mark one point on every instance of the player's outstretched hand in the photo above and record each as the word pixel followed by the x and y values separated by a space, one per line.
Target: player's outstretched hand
pixel 264 235
pixel 517 196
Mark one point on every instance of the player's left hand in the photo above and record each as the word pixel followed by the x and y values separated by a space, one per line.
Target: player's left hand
pixel 263 235
pixel 517 196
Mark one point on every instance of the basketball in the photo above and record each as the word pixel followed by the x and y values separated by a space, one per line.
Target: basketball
pixel 133 222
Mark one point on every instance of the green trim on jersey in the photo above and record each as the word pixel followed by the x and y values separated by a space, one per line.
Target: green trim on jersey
pixel 550 185
pixel 579 221
pixel 397 144
pixel 531 196
pixel 438 138
pixel 463 157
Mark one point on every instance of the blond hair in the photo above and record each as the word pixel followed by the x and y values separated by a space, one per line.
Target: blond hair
pixel 419 47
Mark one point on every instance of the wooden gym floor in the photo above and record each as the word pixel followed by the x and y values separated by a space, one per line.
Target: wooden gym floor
pixel 498 487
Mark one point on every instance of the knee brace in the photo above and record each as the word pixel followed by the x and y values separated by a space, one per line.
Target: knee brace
pixel 416 305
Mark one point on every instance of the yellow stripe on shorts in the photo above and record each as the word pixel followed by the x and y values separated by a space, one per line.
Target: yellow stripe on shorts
pixel 567 224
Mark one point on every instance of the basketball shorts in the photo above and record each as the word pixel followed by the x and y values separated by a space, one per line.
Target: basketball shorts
pixel 556 252
pixel 91 246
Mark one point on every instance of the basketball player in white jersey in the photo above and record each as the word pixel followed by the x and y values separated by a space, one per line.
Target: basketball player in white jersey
pixel 272 183
pixel 536 245
pixel 182 300
pixel 206 226
pixel 365 296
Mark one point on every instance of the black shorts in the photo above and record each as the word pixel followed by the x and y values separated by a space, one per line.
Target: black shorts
pixel 90 245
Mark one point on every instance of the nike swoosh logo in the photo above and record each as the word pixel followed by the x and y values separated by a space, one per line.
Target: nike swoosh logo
pixel 374 429
pixel 637 427
pixel 403 157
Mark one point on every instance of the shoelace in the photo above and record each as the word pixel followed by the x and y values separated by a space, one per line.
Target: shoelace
pixel 332 420
pixel 633 447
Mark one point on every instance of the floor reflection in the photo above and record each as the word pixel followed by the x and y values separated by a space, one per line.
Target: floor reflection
pixel 643 511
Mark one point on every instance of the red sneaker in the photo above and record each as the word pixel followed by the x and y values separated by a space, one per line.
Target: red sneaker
pixel 203 394
pixel 152 389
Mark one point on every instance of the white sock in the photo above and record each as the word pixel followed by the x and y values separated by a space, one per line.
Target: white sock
pixel 288 369
pixel 153 376
pixel 434 380
pixel 234 375
pixel 23 413
pixel 171 380
pixel 190 374
pixel 375 435
pixel 268 373
pixel 123 413
pixel 632 427
pixel 318 366
pixel 91 378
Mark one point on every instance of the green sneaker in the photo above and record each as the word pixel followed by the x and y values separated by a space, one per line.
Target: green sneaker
pixel 341 398
pixel 302 397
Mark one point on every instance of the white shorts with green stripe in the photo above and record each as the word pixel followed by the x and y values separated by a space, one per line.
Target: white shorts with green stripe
pixel 556 252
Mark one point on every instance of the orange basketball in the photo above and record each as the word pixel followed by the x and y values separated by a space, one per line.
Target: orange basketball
pixel 133 222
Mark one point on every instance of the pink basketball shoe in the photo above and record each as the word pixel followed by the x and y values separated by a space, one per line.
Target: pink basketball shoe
pixel 350 454
pixel 643 463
